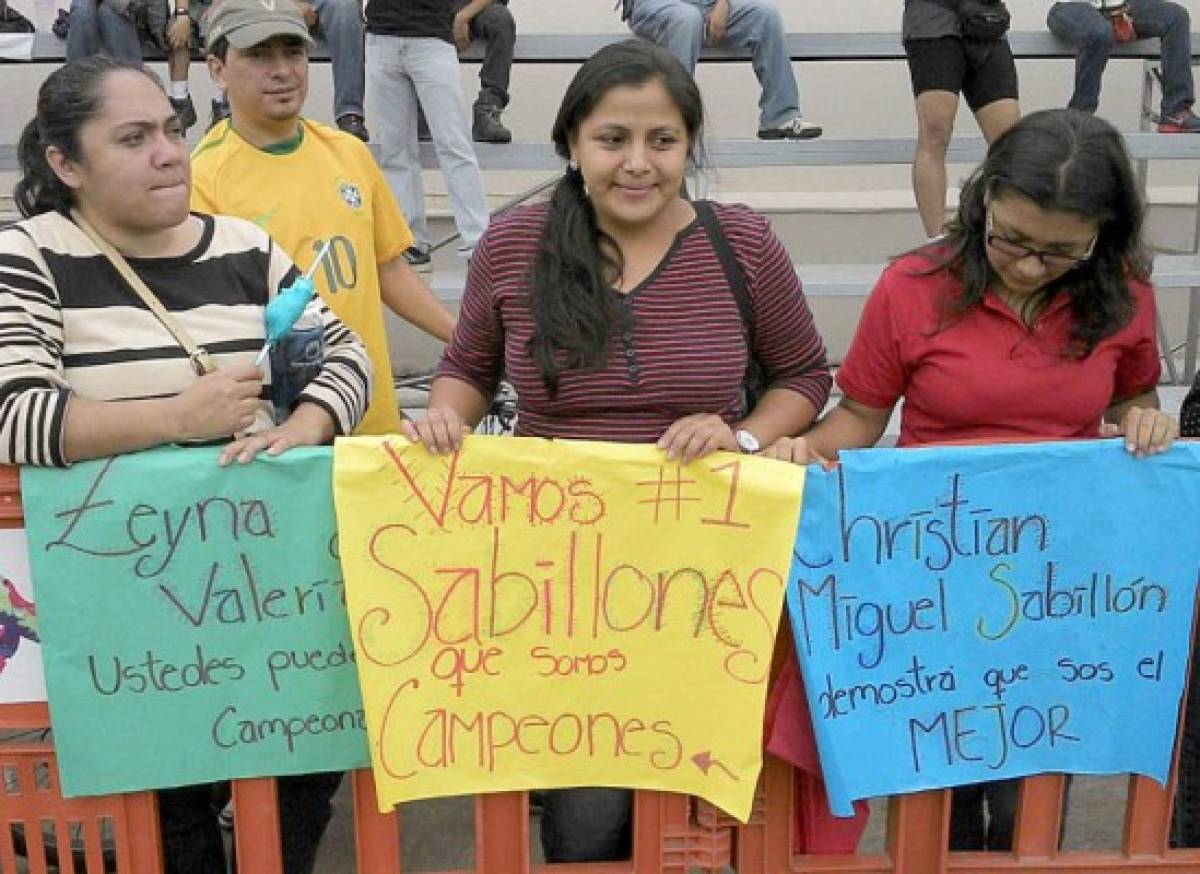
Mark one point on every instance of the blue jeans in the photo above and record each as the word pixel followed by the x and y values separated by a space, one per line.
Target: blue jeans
pixel 401 69
pixel 1082 25
pixel 340 26
pixel 678 26
pixel 98 27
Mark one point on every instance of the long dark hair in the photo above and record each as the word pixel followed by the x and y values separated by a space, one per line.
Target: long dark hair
pixel 574 314
pixel 67 100
pixel 1068 161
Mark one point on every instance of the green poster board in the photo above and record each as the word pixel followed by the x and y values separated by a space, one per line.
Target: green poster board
pixel 193 619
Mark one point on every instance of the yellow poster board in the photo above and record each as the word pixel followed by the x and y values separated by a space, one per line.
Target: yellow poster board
pixel 534 614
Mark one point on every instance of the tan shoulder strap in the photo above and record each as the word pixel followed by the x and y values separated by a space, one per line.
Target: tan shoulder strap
pixel 201 360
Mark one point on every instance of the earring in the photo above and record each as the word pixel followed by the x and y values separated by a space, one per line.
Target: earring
pixel 573 165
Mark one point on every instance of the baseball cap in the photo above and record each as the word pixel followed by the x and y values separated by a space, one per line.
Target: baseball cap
pixel 247 23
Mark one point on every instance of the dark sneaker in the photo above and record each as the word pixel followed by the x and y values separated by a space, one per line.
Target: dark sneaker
pixel 219 111
pixel 487 127
pixel 419 259
pixel 352 123
pixel 1182 122
pixel 793 129
pixel 185 109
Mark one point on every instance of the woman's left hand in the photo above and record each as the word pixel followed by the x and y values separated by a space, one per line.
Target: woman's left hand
pixel 309 425
pixel 696 436
pixel 1146 431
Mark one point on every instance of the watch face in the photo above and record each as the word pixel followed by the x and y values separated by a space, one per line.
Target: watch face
pixel 746 441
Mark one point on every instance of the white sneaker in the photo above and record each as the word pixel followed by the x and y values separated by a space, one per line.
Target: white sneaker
pixel 792 129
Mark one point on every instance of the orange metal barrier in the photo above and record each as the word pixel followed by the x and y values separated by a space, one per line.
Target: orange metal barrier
pixel 672 833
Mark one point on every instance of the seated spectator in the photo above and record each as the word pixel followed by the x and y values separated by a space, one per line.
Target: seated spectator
pixel 87 371
pixel 102 26
pixel 118 28
pixel 942 64
pixel 1085 25
pixel 683 26
pixel 411 62
pixel 490 21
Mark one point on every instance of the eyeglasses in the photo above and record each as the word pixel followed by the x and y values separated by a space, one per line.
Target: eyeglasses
pixel 1017 251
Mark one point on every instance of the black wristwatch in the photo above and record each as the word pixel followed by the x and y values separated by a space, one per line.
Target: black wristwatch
pixel 178 12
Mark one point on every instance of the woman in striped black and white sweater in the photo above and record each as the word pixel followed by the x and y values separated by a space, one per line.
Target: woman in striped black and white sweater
pixel 86 370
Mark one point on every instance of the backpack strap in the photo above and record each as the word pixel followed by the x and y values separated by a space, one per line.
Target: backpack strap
pixel 755 380
pixel 729 263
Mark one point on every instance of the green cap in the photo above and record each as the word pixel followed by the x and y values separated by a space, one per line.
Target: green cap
pixel 247 23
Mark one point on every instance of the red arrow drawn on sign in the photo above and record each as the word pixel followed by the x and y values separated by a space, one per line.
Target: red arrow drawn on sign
pixel 704 761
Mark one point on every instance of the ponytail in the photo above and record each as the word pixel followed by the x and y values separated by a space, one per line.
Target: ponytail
pixel 573 309
pixel 38 190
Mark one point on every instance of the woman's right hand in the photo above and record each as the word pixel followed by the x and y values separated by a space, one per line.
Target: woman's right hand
pixel 218 404
pixel 441 431
pixel 797 450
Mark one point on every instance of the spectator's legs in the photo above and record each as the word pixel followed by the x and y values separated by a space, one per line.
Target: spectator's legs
pixel 758 25
pixel 935 125
pixel 432 65
pixel 191 840
pixel 997 117
pixel 83 36
pixel 1082 25
pixel 498 30
pixel 1170 22
pixel 340 25
pixel 393 99
pixel 97 27
pixel 676 25
pixel 304 811
pixel 586 825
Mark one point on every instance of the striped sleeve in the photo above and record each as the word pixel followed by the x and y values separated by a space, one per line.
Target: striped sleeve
pixel 343 387
pixel 33 391
pixel 475 353
pixel 786 340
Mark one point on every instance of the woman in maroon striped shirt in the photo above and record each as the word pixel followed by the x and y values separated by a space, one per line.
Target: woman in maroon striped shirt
pixel 613 314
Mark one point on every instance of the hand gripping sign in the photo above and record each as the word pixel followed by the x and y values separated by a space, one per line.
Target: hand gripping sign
pixel 532 614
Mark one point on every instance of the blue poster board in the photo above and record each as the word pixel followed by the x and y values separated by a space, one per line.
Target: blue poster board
pixel 977 613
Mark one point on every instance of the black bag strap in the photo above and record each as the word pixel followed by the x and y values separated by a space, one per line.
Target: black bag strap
pixel 729 263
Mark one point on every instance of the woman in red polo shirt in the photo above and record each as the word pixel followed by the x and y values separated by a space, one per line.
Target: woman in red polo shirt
pixel 1031 319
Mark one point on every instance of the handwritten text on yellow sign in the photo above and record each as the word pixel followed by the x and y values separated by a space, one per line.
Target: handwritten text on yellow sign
pixel 529 613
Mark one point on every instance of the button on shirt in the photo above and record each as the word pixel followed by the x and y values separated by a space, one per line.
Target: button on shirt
pixel 986 375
